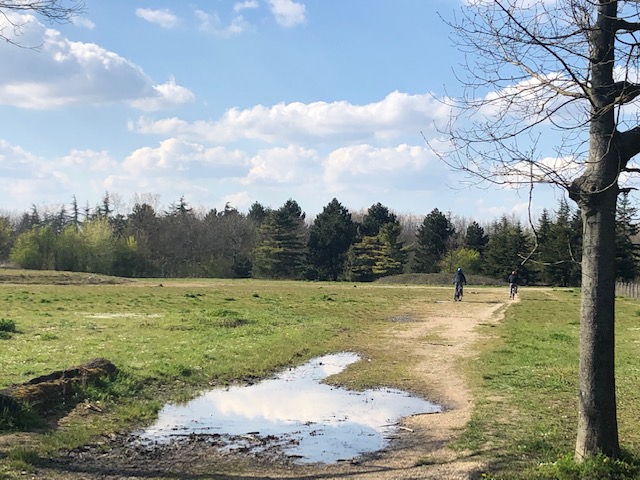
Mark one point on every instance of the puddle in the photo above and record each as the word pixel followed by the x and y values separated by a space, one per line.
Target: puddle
pixel 295 413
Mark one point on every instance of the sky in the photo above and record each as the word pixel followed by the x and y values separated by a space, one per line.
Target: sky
pixel 224 102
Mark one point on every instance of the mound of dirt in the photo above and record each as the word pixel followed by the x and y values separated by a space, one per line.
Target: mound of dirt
pixel 45 392
pixel 42 277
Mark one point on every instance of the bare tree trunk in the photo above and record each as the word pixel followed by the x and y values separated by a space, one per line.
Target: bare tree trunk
pixel 597 417
pixel 596 192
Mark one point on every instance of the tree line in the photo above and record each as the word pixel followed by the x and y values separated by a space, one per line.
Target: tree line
pixel 282 244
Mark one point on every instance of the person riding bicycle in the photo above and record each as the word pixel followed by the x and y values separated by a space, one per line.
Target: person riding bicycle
pixel 458 280
pixel 513 280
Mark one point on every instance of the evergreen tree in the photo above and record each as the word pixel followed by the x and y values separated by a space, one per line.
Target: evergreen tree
pixel 626 250
pixel 258 213
pixel 281 250
pixel 544 254
pixel 575 242
pixel 433 237
pixel 330 237
pixel 475 239
pixel 75 213
pixel 559 261
pixel 376 256
pixel 377 215
pixel 178 232
pixel 143 224
pixel 379 251
pixel 507 246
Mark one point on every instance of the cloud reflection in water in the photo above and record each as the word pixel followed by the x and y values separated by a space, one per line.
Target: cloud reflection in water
pixel 321 423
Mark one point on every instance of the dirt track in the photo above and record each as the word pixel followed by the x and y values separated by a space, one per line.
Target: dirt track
pixel 439 335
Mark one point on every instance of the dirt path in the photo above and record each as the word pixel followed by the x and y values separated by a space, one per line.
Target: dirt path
pixel 439 336
pixel 442 337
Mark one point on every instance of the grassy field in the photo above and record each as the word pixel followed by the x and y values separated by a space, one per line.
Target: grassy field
pixel 171 338
pixel 526 383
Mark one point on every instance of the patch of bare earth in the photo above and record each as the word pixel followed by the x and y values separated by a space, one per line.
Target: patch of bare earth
pixel 438 337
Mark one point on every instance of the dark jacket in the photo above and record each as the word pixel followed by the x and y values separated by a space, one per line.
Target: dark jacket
pixel 514 278
pixel 459 278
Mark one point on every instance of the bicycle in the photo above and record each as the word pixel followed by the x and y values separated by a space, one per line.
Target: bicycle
pixel 457 295
pixel 513 290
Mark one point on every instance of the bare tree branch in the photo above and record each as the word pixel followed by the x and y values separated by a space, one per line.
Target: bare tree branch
pixel 53 11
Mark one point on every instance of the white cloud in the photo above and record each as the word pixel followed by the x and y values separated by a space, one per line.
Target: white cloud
pixel 83 22
pixel 361 161
pixel 32 179
pixel 249 4
pixel 282 165
pixel 167 95
pixel 16 162
pixel 64 72
pixel 164 18
pixel 288 13
pixel 396 115
pixel 175 156
pixel 211 23
pixel 89 160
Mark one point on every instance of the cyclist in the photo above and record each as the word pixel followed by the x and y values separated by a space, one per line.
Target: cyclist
pixel 458 280
pixel 513 280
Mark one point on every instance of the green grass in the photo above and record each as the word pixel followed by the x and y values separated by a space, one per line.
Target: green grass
pixel 170 339
pixel 527 381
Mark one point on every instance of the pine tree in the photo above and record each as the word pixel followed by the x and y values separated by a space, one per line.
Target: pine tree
pixel 560 262
pixel 626 250
pixel 433 237
pixel 379 251
pixel 330 237
pixel 281 250
pixel 508 245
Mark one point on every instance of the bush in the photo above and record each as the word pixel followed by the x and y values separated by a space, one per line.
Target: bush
pixel 7 325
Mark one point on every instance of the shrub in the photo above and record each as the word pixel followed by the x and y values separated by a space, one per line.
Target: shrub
pixel 7 325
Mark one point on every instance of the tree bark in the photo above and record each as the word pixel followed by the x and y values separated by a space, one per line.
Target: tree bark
pixel 596 192
pixel 597 417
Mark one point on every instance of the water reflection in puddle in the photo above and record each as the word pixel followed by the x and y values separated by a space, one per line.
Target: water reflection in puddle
pixel 309 420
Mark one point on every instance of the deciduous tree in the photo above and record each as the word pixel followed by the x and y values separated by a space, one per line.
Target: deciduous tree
pixel 564 70
pixel 59 11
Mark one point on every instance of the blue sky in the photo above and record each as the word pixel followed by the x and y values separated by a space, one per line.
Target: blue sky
pixel 234 102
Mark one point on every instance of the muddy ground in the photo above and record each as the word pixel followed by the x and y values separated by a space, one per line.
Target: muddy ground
pixel 420 450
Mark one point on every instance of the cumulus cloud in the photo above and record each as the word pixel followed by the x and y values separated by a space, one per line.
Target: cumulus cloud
pixel 396 115
pixel 288 13
pixel 166 95
pixel 282 165
pixel 173 155
pixel 64 72
pixel 164 17
pixel 16 162
pixel 360 161
pixel 29 177
pixel 89 160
